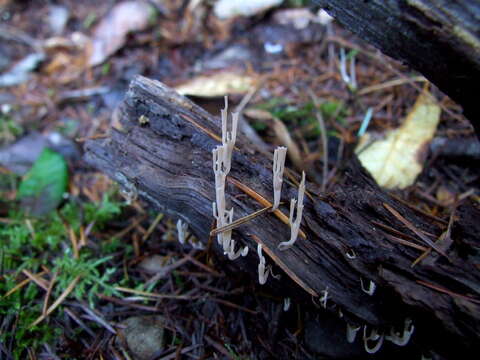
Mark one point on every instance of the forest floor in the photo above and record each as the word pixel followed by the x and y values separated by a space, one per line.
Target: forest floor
pixel 86 274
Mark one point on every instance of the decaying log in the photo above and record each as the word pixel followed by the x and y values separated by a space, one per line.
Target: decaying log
pixel 439 38
pixel 163 153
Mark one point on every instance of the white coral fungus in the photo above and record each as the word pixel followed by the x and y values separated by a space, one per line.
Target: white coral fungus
pixel 278 168
pixel 222 160
pixel 295 224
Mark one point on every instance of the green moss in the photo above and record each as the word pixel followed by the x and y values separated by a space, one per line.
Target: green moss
pixel 30 243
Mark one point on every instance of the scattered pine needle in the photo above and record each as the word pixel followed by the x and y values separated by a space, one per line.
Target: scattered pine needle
pixel 235 306
pixel 22 284
pixel 57 302
pixel 47 295
pixel 154 295
pixel 74 241
pixel 444 240
pixel 252 193
pixel 446 291
pixel 36 279
pixel 420 211
pixel 203 129
pixel 152 226
pixel 132 226
pixel 407 243
pixel 391 83
pixel 240 221
pixel 414 229
pixel 93 137
pixel 83 238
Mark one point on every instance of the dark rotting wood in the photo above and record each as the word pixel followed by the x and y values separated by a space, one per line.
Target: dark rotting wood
pixel 167 161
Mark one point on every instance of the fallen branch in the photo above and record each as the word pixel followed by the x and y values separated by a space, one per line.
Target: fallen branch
pixel 167 161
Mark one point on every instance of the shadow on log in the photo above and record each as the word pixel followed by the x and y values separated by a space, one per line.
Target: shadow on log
pixel 166 158
pixel 439 38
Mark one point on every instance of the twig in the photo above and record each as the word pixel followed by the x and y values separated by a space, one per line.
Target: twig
pixel 252 193
pixel 240 221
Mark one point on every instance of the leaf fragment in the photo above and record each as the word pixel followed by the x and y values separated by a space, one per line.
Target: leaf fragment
pixel 111 33
pixel 397 159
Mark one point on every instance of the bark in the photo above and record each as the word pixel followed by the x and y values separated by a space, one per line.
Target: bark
pixel 439 38
pixel 166 159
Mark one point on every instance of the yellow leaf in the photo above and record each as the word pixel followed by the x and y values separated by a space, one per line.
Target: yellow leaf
pixel 397 159
pixel 219 84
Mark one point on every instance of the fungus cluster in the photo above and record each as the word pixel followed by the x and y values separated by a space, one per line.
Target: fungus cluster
pixel 263 271
pixel 374 339
pixel 295 224
pixel 222 161
pixel 182 231
pixel 183 235
pixel 371 287
pixel 278 167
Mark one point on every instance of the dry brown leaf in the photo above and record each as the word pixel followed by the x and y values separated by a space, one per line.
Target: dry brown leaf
pixel 257 114
pixel 111 34
pixel 397 159
pixel 284 139
pixel 218 84
pixel 282 135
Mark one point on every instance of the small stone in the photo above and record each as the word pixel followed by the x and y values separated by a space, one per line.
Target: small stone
pixel 143 336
